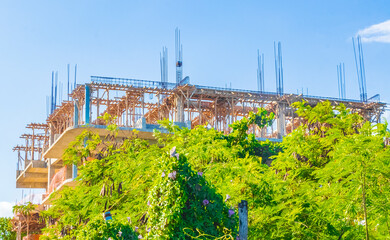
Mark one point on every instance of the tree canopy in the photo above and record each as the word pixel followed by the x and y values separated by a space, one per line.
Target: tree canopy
pixel 6 232
pixel 329 179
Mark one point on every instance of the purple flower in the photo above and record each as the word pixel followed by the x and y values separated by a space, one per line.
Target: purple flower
pixel 173 152
pixel 120 233
pixel 227 197
pixel 140 237
pixel 148 203
pixel 163 174
pixel 200 173
pixel 205 202
pixel 177 156
pixel 136 229
pixel 231 212
pixel 172 175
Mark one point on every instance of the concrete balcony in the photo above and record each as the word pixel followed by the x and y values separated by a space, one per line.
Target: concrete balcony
pixel 145 131
pixel 34 175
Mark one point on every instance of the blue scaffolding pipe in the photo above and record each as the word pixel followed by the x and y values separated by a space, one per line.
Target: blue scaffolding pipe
pixel 87 103
pixel 51 97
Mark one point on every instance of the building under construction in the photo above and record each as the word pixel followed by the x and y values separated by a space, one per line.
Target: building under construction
pixel 140 104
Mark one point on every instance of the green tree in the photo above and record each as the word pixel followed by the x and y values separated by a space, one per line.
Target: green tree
pixel 358 179
pixel 119 176
pixel 6 232
pixel 25 210
pixel 333 177
pixel 183 204
pixel 329 180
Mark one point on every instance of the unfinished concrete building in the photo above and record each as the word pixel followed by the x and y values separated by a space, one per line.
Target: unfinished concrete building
pixel 139 104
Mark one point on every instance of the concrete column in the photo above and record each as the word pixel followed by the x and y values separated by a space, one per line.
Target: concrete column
pixel 50 172
pixel 179 109
pixel 281 120
pixel 141 123
pixel 76 114
pixel 51 138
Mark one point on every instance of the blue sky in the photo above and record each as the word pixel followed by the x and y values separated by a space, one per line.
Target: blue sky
pixel 220 41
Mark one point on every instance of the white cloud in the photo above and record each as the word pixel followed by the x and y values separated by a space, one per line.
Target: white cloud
pixel 6 209
pixel 376 33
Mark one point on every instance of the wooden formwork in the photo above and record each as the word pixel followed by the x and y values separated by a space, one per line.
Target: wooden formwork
pixel 197 105
pixel 128 101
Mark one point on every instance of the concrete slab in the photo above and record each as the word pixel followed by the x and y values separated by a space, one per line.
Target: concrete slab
pixel 57 149
pixel 33 176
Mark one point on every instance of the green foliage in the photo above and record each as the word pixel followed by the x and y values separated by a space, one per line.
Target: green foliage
pixel 331 181
pixel 110 123
pixel 101 229
pixel 105 166
pixel 103 185
pixel 240 128
pixel 331 169
pixel 24 209
pixel 6 232
pixel 183 203
pixel 81 148
pixel 247 142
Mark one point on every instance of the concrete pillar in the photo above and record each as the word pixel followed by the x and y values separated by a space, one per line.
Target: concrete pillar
pixel 76 114
pixel 50 172
pixel 281 116
pixel 179 109
pixel 51 138
pixel 141 123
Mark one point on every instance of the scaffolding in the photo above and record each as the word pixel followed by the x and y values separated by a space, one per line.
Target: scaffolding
pixel 31 153
pixel 130 101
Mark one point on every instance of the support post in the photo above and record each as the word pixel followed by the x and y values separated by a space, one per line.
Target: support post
pixel 215 114
pixel 32 144
pixel 97 104
pixel 51 137
pixel 281 120
pixel 179 109
pixel 243 217
pixel 158 106
pixel 143 104
pixel 74 171
pixel 26 158
pixel 127 109
pixel 87 103
pixel 76 114
pixel 51 172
